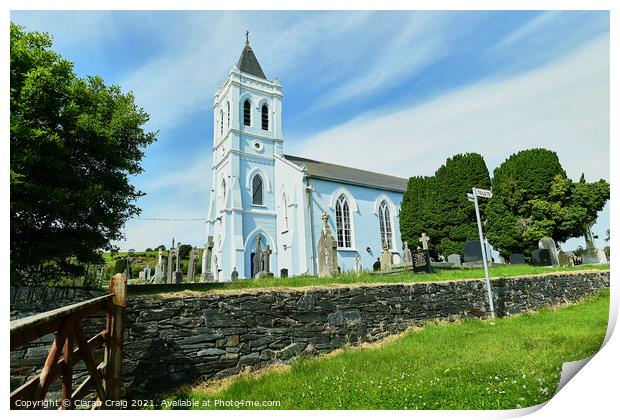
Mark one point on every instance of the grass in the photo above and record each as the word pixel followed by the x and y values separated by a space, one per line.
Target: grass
pixel 467 365
pixel 350 279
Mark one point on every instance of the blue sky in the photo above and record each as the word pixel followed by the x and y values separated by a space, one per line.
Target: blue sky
pixel 394 92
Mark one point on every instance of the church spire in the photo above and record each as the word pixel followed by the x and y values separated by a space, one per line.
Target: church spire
pixel 247 62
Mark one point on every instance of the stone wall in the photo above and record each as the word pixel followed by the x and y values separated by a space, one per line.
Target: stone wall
pixel 178 338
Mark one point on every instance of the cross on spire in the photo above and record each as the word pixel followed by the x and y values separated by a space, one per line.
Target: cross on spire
pixel 247 37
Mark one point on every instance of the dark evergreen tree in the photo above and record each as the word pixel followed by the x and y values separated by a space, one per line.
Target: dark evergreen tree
pixel 417 210
pixel 455 218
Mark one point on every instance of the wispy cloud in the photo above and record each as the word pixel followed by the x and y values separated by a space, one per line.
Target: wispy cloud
pixel 421 40
pixel 563 106
pixel 536 25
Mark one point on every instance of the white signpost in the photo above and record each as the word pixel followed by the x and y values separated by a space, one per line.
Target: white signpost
pixel 477 192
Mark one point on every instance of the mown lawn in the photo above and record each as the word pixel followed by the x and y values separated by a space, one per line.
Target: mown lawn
pixel 467 365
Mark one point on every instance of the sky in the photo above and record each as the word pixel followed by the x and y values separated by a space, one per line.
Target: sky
pixel 392 92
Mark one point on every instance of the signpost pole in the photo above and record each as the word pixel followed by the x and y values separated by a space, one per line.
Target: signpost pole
pixel 484 254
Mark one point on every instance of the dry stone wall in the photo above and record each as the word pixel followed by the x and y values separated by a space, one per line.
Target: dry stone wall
pixel 176 339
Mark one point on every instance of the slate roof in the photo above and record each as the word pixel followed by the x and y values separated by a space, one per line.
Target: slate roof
pixel 347 175
pixel 249 64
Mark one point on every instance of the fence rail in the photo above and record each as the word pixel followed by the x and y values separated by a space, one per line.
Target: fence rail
pixel 70 346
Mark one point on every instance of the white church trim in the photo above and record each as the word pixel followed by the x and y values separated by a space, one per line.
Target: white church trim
pixel 250 176
pixel 390 203
pixel 348 195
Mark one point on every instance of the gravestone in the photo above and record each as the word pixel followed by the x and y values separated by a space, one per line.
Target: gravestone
pixel 265 272
pixel 406 254
pixel 178 274
pixel 377 265
pixel 541 257
pixel 472 253
pixel 454 259
pixel 564 260
pixel 159 270
pixel 172 256
pixel 548 243
pixel 517 258
pixel 147 272
pixel 206 275
pixel 191 266
pixel 234 275
pixel 358 265
pixel 386 258
pixel 327 251
pixel 424 239
pixel 141 276
pixel 258 258
pixel 594 256
pixel 283 273
pixel 421 261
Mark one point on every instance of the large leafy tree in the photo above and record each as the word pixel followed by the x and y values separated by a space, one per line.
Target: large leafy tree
pixel 532 198
pixel 455 220
pixel 74 142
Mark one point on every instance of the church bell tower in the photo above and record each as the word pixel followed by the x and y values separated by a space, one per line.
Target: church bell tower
pixel 247 135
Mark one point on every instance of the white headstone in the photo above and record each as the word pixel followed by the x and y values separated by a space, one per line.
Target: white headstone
pixel 358 265
pixel 548 243
pixel 454 259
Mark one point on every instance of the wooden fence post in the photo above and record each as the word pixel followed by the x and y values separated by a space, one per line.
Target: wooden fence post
pixel 118 286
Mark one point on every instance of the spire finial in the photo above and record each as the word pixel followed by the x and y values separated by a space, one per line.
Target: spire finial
pixel 247 37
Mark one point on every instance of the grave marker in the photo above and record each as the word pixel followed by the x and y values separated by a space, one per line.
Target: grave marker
pixel 421 261
pixel 327 251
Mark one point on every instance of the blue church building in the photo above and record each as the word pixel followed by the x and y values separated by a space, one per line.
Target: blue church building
pixel 259 190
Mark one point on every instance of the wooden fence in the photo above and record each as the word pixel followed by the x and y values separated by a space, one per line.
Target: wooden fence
pixel 71 346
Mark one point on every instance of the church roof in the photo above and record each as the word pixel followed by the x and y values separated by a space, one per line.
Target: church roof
pixel 347 175
pixel 248 63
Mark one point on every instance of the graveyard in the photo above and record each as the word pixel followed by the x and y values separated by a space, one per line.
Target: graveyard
pixel 438 275
pixel 467 365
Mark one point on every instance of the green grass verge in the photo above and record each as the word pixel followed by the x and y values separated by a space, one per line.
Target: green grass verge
pixel 437 275
pixel 467 365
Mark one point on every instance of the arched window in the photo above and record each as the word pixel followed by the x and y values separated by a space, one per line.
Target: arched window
pixel 385 224
pixel 343 222
pixel 247 110
pixel 223 195
pixel 228 114
pixel 265 117
pixel 221 122
pixel 257 190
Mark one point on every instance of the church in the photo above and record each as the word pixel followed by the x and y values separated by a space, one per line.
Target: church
pixel 263 197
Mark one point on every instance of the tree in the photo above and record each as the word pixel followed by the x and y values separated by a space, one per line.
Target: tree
pixel 184 251
pixel 74 144
pixel 438 204
pixel 162 247
pixel 455 219
pixel 148 250
pixel 532 198
pixel 418 210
